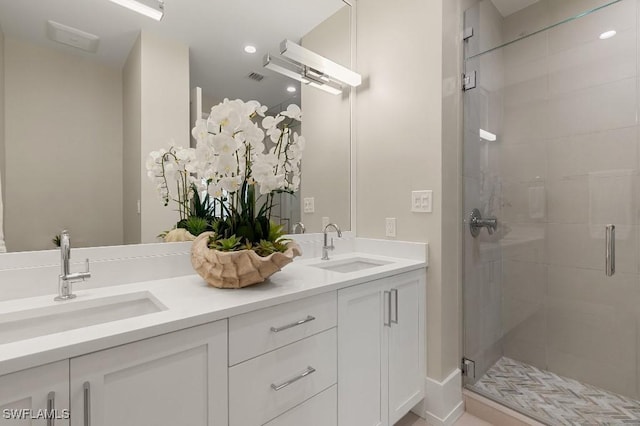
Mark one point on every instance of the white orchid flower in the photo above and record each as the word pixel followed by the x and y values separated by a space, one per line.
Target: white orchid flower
pixel 293 111
pixel 231 183
pixel 224 144
pixel 270 122
pixel 226 164
pixel 200 131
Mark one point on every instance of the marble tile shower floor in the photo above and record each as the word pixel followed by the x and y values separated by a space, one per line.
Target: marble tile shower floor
pixel 554 399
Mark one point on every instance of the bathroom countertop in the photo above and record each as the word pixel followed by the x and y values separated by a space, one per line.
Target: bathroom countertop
pixel 189 302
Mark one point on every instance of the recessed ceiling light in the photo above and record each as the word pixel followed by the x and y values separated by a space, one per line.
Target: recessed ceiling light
pixel 250 49
pixel 291 89
pixel 607 34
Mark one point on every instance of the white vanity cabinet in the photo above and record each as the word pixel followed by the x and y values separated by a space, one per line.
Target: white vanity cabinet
pixel 178 378
pixel 285 364
pixel 40 391
pixel 381 349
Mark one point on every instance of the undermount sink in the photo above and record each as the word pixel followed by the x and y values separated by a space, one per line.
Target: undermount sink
pixel 75 314
pixel 350 265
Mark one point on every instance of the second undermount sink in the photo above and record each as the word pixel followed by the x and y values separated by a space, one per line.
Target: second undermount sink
pixel 30 323
pixel 353 264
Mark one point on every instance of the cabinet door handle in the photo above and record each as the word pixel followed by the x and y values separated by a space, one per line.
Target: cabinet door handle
pixel 394 293
pixel 387 313
pixel 86 388
pixel 610 250
pixel 51 406
pixel 293 324
pixel 282 385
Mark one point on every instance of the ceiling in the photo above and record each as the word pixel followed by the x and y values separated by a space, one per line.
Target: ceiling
pixel 508 7
pixel 215 31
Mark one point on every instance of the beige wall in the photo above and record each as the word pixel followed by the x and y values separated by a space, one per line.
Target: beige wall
pixel 400 148
pixel 326 127
pixel 164 120
pixel 132 161
pixel 63 137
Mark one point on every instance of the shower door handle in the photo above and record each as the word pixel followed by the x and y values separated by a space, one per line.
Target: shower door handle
pixel 610 250
pixel 476 223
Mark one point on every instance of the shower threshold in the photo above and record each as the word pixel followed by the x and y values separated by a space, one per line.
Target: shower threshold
pixel 553 399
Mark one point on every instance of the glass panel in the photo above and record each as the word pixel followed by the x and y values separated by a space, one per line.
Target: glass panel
pixel 551 149
pixel 501 22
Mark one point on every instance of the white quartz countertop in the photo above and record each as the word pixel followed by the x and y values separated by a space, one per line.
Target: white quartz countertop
pixel 189 302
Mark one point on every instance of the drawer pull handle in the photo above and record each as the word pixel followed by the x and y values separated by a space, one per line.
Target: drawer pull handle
pixel 51 405
pixel 86 390
pixel 305 373
pixel 295 324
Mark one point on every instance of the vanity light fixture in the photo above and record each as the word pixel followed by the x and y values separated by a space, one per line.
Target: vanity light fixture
pixel 154 9
pixel 607 34
pixel 329 69
pixel 286 68
pixel 301 73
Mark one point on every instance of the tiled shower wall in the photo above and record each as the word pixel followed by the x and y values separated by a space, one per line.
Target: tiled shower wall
pixel 564 106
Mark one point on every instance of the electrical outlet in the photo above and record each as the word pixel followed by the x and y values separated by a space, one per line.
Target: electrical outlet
pixel 309 205
pixel 422 201
pixel 325 221
pixel 390 226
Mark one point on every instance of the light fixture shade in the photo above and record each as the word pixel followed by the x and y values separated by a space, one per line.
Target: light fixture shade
pixel 154 9
pixel 306 57
pixel 283 67
pixel 299 73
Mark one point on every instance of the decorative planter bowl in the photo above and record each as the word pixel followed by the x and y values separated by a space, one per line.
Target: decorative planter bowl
pixel 236 269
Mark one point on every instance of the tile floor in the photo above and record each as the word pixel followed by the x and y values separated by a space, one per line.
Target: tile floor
pixel 555 399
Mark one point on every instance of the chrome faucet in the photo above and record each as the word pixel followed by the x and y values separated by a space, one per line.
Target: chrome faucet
pixel 66 278
pixel 326 247
pixel 298 225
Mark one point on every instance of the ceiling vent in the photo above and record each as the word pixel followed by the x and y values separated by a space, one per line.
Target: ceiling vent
pixel 255 76
pixel 72 37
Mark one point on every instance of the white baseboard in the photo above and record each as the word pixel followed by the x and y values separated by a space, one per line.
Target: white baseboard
pixel 443 400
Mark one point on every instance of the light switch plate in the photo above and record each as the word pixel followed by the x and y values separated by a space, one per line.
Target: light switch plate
pixel 390 227
pixel 325 221
pixel 422 201
pixel 309 205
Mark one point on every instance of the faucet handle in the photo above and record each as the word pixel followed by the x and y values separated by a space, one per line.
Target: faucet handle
pixel 332 246
pixel 86 267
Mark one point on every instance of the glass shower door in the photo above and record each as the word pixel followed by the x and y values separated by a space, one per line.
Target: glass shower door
pixel 551 151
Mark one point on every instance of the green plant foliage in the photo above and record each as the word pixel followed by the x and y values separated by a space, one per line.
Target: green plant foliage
pixel 224 244
pixel 265 248
pixel 196 225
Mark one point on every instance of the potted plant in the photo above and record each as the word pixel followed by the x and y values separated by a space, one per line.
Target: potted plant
pixel 241 161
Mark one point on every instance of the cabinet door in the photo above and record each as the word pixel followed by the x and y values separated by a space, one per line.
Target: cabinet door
pixel 178 378
pixel 406 344
pixel 362 313
pixel 28 396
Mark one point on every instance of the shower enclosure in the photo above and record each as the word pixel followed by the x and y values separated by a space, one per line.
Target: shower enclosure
pixel 551 298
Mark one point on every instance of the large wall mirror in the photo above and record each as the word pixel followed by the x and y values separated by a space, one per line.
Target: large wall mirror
pixel 66 121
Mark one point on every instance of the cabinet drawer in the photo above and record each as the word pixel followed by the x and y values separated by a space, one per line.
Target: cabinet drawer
pixel 253 399
pixel 258 332
pixel 321 410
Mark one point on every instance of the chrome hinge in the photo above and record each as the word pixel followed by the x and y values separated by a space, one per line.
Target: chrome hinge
pixel 469 81
pixel 468 368
pixel 467 33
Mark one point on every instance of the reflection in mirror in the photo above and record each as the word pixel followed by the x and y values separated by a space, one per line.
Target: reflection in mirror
pixel 76 126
